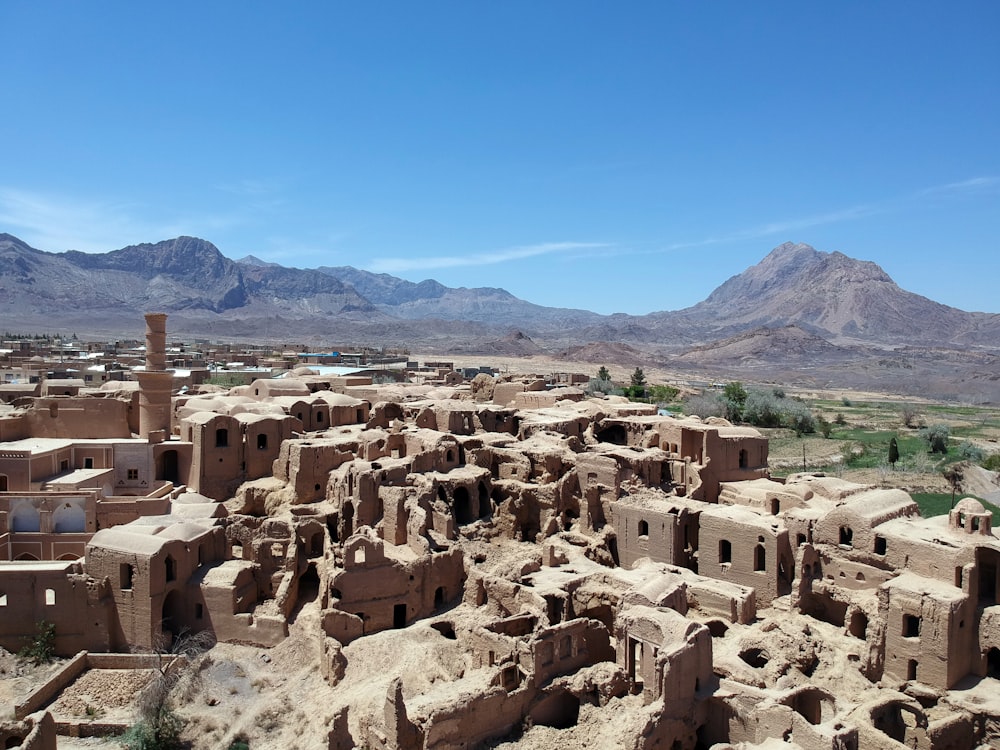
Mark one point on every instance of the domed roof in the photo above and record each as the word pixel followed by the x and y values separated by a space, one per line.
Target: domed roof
pixel 969 505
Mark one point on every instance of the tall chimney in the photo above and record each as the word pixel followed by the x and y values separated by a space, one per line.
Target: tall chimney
pixel 155 383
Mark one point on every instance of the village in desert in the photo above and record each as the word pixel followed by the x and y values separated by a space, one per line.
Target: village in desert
pixel 462 560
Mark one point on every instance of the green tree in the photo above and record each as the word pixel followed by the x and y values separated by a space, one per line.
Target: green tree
pixel 638 379
pixel 893 452
pixel 603 374
pixel 663 394
pixel 734 396
pixel 937 436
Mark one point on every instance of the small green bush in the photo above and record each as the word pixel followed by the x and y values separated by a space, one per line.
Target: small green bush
pixel 937 436
pixel 164 735
pixel 970 452
pixel 41 647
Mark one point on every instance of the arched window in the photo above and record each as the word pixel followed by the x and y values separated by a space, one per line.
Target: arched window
pixel 643 528
pixel 69 519
pixel 759 558
pixel 222 438
pixel 725 551
pixel 171 568
pixel 847 536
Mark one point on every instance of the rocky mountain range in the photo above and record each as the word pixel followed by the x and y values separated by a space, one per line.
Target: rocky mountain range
pixel 796 309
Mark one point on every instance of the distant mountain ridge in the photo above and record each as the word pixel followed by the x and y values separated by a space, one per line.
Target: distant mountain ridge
pixel 827 295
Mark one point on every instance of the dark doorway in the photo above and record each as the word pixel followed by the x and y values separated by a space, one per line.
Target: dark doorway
pixel 172 621
pixel 987 564
pixel 463 507
pixel 993 663
pixel 484 501
pixel 348 519
pixel 399 616
pixel 560 711
pixel 308 589
pixel 614 434
pixel 168 467
pixel 439 597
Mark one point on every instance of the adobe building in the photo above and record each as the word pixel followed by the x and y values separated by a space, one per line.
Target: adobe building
pixel 551 560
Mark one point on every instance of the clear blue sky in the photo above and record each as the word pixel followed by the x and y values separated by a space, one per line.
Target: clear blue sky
pixel 611 156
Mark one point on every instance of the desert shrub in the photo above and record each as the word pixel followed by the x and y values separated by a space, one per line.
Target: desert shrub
pixel 909 414
pixel 936 436
pixel 798 417
pixel 853 452
pixel 762 409
pixel 992 462
pixel 598 385
pixel 704 406
pixel 846 401
pixel 970 452
pixel 162 734
pixel 41 647
pixel 839 419
pixel 824 426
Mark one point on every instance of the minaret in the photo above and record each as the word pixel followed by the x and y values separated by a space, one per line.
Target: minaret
pixel 155 383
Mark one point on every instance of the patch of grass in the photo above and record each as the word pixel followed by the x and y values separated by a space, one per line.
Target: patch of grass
pixel 869 449
pixel 939 503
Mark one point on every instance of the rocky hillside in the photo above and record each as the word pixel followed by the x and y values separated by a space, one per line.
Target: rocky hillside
pixel 835 296
pixel 828 295
pixel 185 276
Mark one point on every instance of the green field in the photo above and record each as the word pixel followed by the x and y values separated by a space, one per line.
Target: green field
pixel 938 504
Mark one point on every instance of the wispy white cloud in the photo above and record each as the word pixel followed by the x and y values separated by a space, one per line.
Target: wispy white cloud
pixel 397 265
pixel 787 226
pixel 56 222
pixel 962 186
pixel 59 222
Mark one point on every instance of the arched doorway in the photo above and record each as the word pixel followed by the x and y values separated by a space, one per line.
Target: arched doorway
pixel 463 506
pixel 172 622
